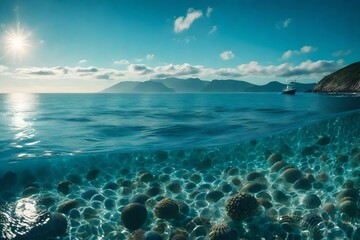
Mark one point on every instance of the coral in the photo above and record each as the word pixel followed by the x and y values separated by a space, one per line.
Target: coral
pixel 166 209
pixel 221 231
pixel 241 206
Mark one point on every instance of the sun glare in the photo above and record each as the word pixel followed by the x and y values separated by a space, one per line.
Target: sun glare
pixel 17 41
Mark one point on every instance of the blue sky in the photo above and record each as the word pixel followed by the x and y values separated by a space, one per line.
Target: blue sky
pixel 85 46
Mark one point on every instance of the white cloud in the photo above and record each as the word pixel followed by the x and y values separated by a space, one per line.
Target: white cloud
pixel 82 61
pixel 150 56
pixel 139 60
pixel 287 54
pixel 307 49
pixel 37 71
pixel 184 23
pixel 252 70
pixel 307 68
pixel 86 69
pixel 70 72
pixel 303 50
pixel 341 53
pixel 122 62
pixel 283 24
pixel 3 68
pixel 140 69
pixel 209 10
pixel 177 70
pixel 42 41
pixel 227 55
pixel 213 29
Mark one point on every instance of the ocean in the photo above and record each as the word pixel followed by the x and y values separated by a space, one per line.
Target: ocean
pixel 99 159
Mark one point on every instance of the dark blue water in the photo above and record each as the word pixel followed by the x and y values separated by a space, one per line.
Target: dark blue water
pixel 49 125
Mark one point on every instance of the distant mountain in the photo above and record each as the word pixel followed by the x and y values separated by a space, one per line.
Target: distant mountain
pixel 345 80
pixel 151 86
pixel 197 85
pixel 227 86
pixel 278 87
pixel 121 87
pixel 131 87
pixel 183 85
pixel 269 87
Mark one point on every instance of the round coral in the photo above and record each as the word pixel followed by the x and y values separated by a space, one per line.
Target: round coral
pixel 167 209
pixel 221 231
pixel 241 206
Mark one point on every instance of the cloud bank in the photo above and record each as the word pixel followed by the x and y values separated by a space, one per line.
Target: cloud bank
pixel 306 69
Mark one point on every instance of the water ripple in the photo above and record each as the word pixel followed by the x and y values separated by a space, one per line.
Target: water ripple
pixel 44 125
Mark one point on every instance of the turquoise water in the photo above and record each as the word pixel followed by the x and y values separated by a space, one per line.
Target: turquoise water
pixel 84 159
pixel 49 125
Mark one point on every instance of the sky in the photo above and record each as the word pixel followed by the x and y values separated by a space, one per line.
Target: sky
pixel 88 45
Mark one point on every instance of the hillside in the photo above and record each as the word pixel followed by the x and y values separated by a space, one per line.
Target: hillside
pixel 227 86
pixel 183 85
pixel 345 80
pixel 151 86
pixel 121 87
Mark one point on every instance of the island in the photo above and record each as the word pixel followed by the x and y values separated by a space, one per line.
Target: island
pixel 345 80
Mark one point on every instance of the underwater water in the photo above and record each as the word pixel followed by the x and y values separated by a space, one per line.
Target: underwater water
pixel 181 166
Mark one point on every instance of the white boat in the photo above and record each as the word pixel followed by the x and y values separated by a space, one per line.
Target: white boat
pixel 290 88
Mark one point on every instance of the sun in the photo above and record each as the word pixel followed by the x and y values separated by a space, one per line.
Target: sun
pixel 17 41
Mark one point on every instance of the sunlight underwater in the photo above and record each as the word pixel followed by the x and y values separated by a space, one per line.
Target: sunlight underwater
pixel 300 184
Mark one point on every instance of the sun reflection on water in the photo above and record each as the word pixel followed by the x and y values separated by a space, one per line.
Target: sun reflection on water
pixel 21 109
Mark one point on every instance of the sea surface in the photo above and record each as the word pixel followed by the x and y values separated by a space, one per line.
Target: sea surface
pixel 188 166
pixel 50 125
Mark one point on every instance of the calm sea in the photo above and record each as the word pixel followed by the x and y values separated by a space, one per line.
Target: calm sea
pixel 51 125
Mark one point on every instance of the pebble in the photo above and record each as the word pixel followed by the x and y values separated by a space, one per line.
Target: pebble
pixel 254 187
pixel 133 216
pixel 64 187
pixel 29 191
pixel 312 201
pixel 66 206
pixel 280 197
pixel 275 157
pixel 291 175
pixel 302 184
pixel 214 196
pixel 88 194
pixel 92 174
